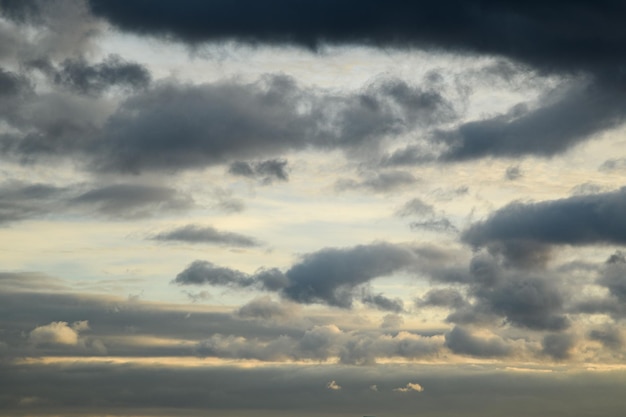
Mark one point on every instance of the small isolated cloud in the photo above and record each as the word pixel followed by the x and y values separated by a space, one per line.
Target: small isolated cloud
pixel 265 172
pixel 513 173
pixel 205 235
pixel 58 333
pixel 382 182
pixel 332 385
pixel 415 207
pixel 410 387
pixel 374 388
pixel 613 165
pixel 435 225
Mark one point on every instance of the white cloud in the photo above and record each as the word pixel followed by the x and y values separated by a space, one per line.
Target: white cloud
pixel 410 387
pixel 58 333
pixel 333 386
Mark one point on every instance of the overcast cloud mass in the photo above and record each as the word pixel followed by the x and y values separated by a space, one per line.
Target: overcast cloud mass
pixel 312 208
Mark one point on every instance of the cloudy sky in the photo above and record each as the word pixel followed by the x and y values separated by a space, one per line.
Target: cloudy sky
pixel 312 208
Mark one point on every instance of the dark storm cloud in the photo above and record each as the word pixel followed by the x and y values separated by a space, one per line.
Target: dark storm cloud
pixel 461 341
pixel 176 126
pixel 265 171
pixel 205 234
pixel 330 276
pixel 545 34
pixel 79 75
pixel 525 229
pixel 378 182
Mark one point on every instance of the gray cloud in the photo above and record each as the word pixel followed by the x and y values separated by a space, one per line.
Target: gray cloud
pixel 613 276
pixel 330 276
pixel 205 234
pixel 383 303
pixel 434 225
pixel 461 341
pixel 204 272
pixel 132 200
pixel 378 182
pixel 210 124
pixel 534 35
pixel 494 290
pixel 264 308
pixel 80 76
pixel 559 345
pixel 21 201
pixel 442 297
pixel 616 164
pixel 545 131
pixel 525 229
pixel 513 173
pixel 264 171
pixel 610 337
pixel 586 189
pixel 415 207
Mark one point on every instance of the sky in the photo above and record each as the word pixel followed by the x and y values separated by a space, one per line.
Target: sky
pixel 313 208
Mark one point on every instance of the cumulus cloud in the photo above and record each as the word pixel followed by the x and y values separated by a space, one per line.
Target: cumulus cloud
pixel 410 387
pixel 57 333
